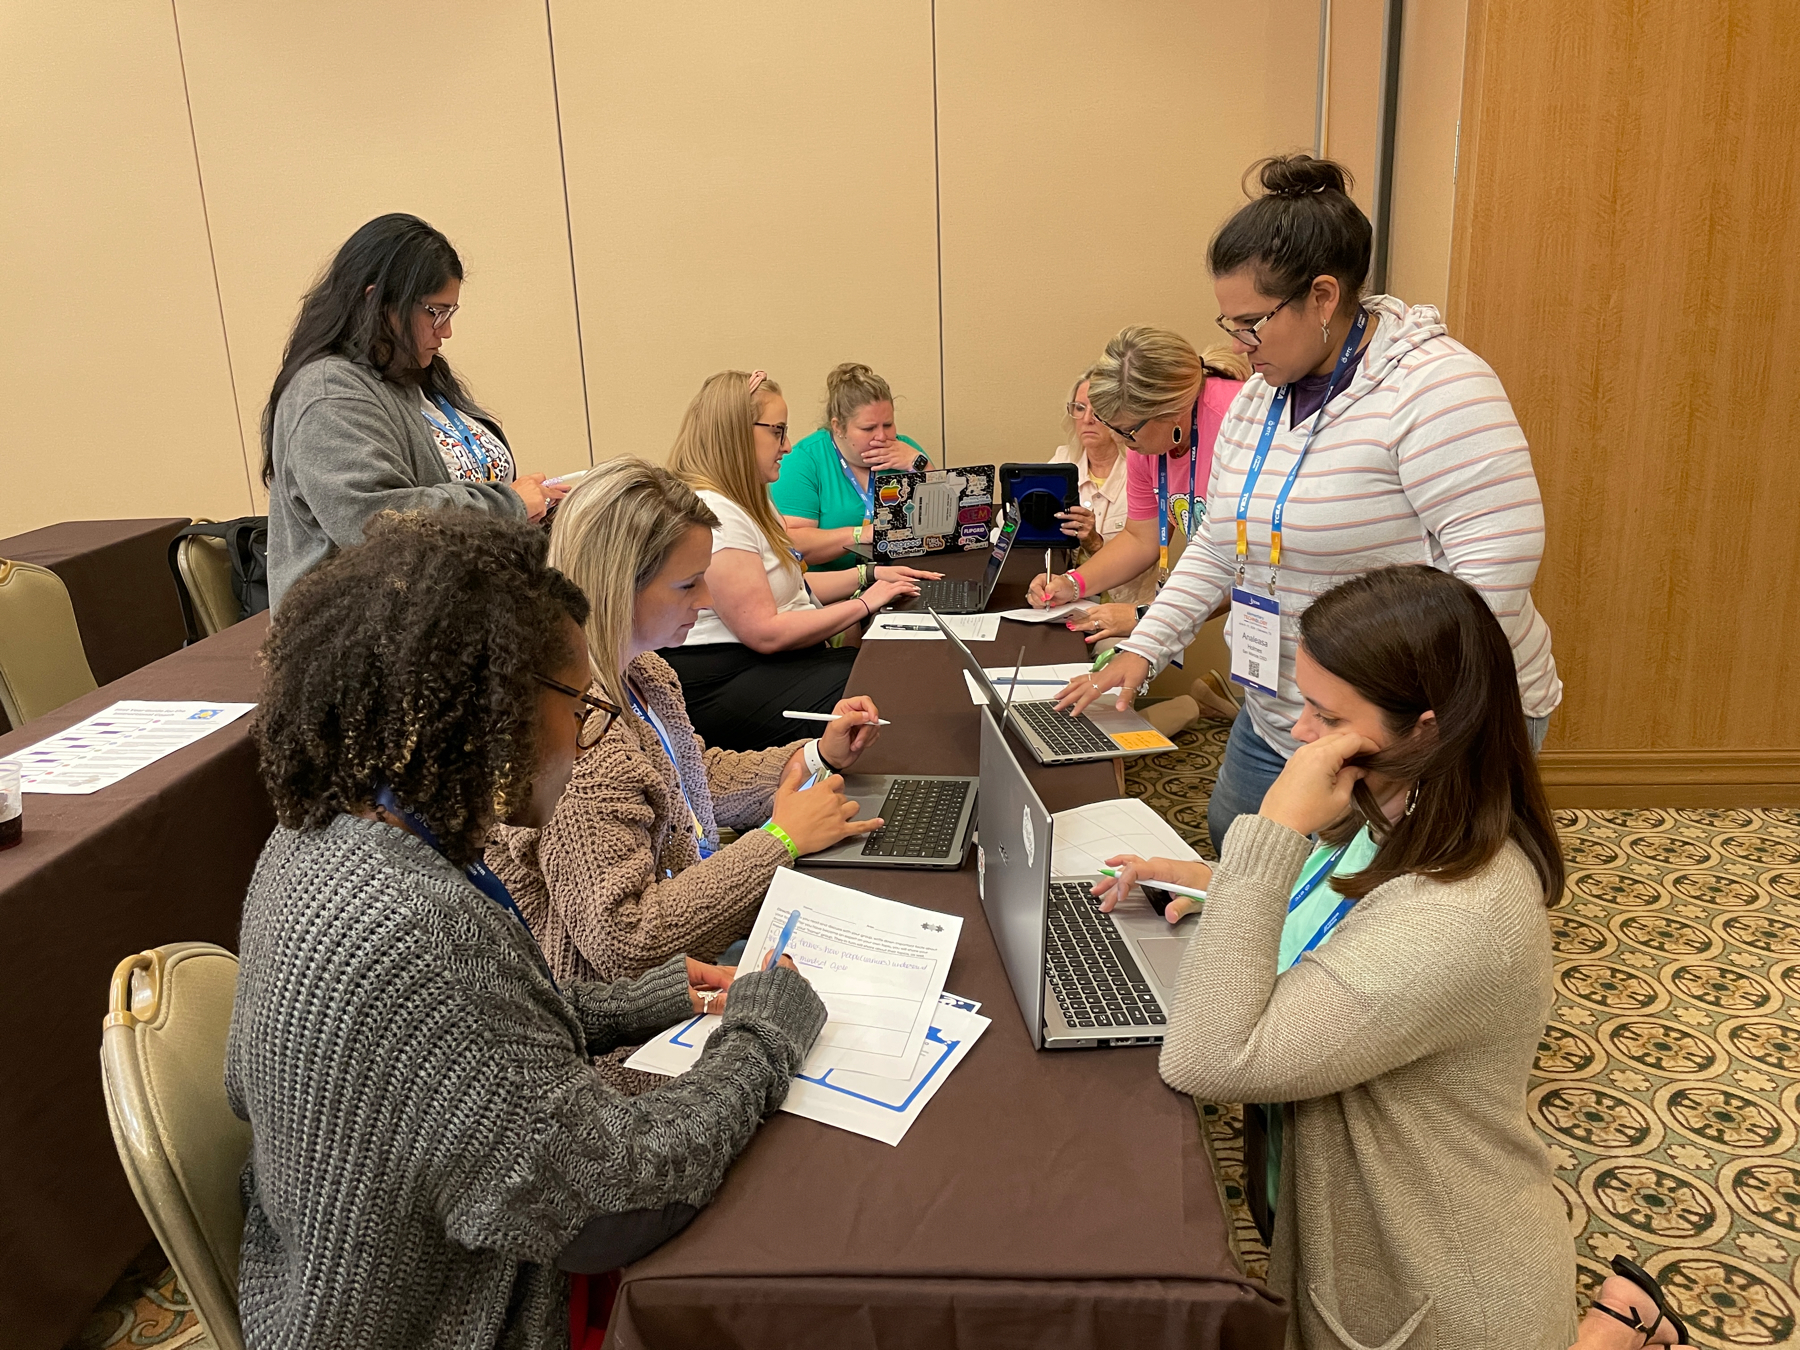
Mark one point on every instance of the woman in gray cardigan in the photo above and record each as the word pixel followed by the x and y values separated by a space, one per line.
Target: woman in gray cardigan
pixel 1390 985
pixel 432 1147
pixel 367 416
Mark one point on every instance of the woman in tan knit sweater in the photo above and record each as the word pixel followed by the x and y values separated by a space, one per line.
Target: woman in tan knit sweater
pixel 1397 1015
pixel 629 871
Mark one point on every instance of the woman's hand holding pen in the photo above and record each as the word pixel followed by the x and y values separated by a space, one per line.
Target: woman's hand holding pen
pixel 1047 590
pixel 708 986
pixel 1136 871
pixel 857 725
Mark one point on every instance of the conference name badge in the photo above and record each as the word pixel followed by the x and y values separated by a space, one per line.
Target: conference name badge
pixel 1255 641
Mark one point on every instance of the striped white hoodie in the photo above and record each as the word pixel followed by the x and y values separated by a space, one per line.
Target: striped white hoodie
pixel 1418 460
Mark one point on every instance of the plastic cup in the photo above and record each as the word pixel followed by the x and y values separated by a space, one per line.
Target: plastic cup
pixel 12 805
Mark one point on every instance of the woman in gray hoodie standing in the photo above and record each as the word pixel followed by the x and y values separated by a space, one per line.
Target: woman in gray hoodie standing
pixel 367 416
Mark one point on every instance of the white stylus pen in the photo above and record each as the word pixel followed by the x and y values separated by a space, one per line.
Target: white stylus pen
pixel 828 717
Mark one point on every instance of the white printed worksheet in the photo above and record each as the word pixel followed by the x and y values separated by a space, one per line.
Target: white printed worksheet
pixel 877 964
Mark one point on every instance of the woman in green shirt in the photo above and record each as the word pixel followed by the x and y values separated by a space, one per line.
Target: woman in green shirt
pixel 824 493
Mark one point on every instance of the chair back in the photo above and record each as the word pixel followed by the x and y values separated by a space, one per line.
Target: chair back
pixel 42 664
pixel 162 1062
pixel 203 571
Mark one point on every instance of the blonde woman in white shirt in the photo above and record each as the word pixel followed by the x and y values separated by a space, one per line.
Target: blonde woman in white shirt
pixel 761 648
pixel 1100 465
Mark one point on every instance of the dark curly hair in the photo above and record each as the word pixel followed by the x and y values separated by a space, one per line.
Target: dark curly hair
pixel 407 660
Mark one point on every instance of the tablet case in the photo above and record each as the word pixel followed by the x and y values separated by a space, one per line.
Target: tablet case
pixel 1041 490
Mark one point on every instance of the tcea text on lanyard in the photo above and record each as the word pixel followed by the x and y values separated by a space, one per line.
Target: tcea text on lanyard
pixel 1256 619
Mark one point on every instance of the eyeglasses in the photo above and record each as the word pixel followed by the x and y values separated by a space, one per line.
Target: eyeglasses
pixel 1076 410
pixel 1252 336
pixel 440 314
pixel 1129 437
pixel 779 428
pixel 595 716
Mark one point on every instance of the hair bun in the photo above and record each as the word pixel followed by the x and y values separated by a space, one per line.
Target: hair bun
pixel 1299 175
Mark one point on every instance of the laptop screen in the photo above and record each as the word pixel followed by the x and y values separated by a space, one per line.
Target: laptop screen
pixel 1009 531
pixel 1015 871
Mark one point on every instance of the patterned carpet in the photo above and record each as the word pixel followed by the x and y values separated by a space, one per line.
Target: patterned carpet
pixel 1668 1083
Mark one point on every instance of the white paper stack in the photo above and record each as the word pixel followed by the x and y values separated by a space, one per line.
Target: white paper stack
pixel 1036 683
pixel 918 626
pixel 117 742
pixel 862 1103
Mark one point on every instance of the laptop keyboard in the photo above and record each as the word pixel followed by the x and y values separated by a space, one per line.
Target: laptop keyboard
pixel 946 596
pixel 1064 735
pixel 1096 978
pixel 919 819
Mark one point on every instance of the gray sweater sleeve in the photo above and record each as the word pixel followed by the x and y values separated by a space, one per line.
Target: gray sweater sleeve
pixel 349 462
pixel 1406 983
pixel 629 1012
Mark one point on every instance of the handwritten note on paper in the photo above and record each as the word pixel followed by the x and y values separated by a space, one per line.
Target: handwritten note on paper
pixel 878 965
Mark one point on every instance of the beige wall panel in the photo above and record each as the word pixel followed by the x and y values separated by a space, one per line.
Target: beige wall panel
pixel 1353 92
pixel 1424 198
pixel 749 190
pixel 112 364
pixel 312 119
pixel 1088 154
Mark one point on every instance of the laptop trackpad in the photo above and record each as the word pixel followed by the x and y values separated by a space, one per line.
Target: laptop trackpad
pixel 1164 956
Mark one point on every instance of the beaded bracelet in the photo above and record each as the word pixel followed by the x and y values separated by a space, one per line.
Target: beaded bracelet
pixel 781 834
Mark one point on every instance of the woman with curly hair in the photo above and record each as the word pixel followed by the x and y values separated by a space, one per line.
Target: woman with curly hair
pixel 630 870
pixel 431 1146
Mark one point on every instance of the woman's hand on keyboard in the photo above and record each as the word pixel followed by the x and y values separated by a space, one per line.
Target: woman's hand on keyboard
pixel 1125 672
pixel 819 816
pixel 905 574
pixel 1136 871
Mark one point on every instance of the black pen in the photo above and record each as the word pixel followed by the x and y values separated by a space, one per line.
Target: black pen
pixel 907 628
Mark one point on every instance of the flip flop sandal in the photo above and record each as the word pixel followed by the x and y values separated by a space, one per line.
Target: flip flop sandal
pixel 1630 1270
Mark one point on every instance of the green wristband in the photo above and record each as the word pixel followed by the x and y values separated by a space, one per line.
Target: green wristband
pixel 781 834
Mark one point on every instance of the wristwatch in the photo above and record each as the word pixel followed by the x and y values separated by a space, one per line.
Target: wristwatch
pixel 921 462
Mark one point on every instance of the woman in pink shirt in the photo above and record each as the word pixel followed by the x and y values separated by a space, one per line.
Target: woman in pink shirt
pixel 1151 391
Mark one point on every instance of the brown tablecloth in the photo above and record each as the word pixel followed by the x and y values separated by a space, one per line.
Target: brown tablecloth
pixel 163 856
pixel 117 572
pixel 1043 1199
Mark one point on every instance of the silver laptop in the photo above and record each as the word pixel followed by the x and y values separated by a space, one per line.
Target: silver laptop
pixel 1102 732
pixel 926 822
pixel 1082 978
pixel 950 596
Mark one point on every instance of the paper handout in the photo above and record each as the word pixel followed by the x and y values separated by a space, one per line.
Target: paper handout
pixel 1036 683
pixel 1051 615
pixel 881 1108
pixel 878 965
pixel 917 626
pixel 118 741
pixel 1085 837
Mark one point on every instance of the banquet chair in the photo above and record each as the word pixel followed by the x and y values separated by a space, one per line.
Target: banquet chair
pixel 42 664
pixel 203 579
pixel 162 1062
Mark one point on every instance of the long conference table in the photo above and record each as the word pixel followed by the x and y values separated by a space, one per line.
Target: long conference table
pixel 1057 1199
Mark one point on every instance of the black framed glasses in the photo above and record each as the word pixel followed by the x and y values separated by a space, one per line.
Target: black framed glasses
pixel 440 314
pixel 779 428
pixel 1252 336
pixel 595 715
pixel 1129 437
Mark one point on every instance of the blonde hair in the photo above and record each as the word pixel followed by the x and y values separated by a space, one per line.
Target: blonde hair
pixel 849 387
pixel 1070 430
pixel 1147 372
pixel 716 450
pixel 611 536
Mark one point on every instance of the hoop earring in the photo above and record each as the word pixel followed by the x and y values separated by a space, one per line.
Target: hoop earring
pixel 1178 435
pixel 1412 799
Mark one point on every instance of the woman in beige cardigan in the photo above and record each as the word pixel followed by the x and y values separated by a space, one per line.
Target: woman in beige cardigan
pixel 629 871
pixel 1398 1013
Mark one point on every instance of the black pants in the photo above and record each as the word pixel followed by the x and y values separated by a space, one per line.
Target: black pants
pixel 735 696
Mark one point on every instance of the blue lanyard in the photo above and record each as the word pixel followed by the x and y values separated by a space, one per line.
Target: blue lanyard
pixel 1313 883
pixel 866 493
pixel 1162 494
pixel 1271 423
pixel 480 876
pixel 700 844
pixel 459 430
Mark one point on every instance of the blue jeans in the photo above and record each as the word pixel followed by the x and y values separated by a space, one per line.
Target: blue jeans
pixel 1252 765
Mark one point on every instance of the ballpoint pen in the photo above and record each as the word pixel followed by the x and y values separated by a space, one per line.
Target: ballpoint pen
pixel 787 931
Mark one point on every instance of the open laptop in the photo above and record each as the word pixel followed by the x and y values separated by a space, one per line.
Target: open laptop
pixel 1082 978
pixel 917 512
pixel 1102 732
pixel 947 596
pixel 926 822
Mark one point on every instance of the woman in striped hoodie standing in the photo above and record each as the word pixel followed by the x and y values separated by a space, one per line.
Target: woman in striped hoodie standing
pixel 1366 436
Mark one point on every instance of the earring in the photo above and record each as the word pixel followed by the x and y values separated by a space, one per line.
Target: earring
pixel 1325 335
pixel 1178 435
pixel 1412 798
